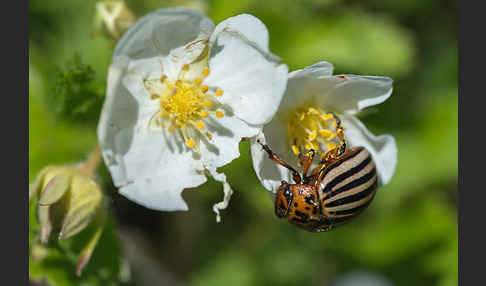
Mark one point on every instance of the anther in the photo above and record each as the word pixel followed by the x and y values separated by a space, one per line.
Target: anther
pixel 326 134
pixel 204 88
pixel 205 72
pixel 200 125
pixel 178 83
pixel 171 128
pixel 207 103
pixel 190 143
pixel 295 150
pixel 185 67
pixel 326 116
pixel 154 96
pixel 203 114
pixel 313 135
pixel 209 136
pixel 198 81
pixel 163 78
pixel 219 92
pixel 219 114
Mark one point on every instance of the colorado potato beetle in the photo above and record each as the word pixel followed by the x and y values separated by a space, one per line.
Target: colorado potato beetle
pixel 341 186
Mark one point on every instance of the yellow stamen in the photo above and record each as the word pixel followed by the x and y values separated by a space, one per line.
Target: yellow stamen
pixel 219 114
pixel 198 81
pixel 295 150
pixel 207 103
pixel 205 72
pixel 331 146
pixel 203 114
pixel 308 146
pixel 200 125
pixel 326 116
pixel 309 128
pixel 313 135
pixel 190 143
pixel 327 134
pixel 184 104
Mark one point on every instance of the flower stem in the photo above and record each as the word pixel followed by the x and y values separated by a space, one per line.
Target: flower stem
pixel 88 167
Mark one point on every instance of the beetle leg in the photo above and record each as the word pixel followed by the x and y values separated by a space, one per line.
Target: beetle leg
pixel 275 158
pixel 306 161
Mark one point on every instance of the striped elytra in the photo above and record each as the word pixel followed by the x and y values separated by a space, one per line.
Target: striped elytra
pixel 332 195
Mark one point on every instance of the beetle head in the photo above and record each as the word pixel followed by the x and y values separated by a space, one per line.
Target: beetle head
pixel 283 200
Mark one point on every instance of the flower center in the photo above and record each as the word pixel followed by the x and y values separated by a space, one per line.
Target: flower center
pixel 312 128
pixel 185 105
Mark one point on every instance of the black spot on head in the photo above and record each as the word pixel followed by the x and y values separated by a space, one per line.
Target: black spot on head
pixel 314 210
pixel 295 204
pixel 282 206
pixel 307 208
pixel 310 199
pixel 303 216
pixel 288 195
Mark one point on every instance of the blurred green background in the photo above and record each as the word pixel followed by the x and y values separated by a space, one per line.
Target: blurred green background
pixel 408 235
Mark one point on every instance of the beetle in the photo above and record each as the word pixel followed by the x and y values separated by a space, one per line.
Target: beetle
pixel 341 186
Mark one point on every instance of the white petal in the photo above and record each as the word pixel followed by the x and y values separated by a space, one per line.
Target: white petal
pixel 152 161
pixel 220 177
pixel 353 93
pixel 268 172
pixel 383 148
pixel 160 32
pixel 253 80
pixel 248 27
pixel 305 86
pixel 120 112
pixel 227 133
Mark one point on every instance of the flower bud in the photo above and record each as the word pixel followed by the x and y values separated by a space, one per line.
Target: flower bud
pixel 115 16
pixel 68 201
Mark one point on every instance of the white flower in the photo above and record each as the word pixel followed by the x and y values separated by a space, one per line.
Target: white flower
pixel 181 94
pixel 304 121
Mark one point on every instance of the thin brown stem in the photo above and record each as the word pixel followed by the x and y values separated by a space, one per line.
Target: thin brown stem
pixel 88 167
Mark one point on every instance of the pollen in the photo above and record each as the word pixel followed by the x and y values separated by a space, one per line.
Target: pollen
pixel 219 114
pixel 200 125
pixel 205 72
pixel 190 143
pixel 309 127
pixel 296 150
pixel 184 105
pixel 203 114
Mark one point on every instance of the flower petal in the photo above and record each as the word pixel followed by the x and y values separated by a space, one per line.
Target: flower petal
pixel 162 31
pixel 383 148
pixel 253 80
pixel 268 172
pixel 351 93
pixel 151 163
pixel 248 27
pixel 220 177
pixel 305 85
pixel 226 133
